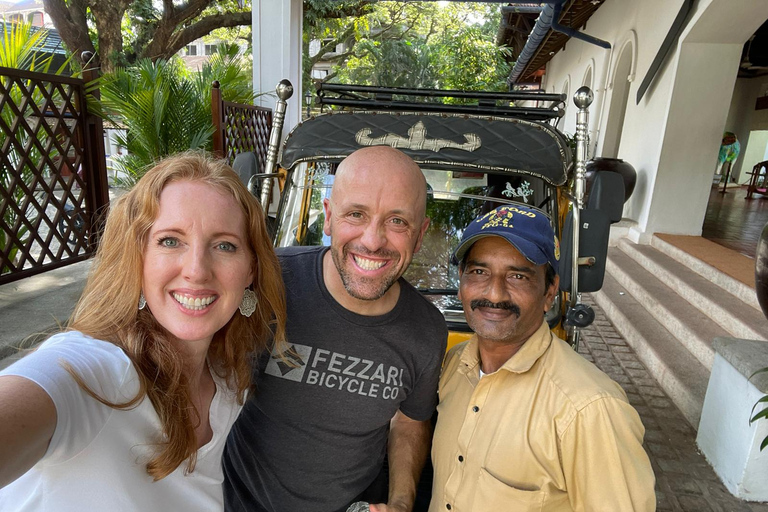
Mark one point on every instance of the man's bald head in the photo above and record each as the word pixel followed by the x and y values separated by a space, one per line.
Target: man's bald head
pixel 377 164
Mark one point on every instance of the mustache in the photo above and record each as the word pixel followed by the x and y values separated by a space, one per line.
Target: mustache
pixel 485 303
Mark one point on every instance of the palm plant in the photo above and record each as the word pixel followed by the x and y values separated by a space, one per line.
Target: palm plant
pixel 20 50
pixel 166 109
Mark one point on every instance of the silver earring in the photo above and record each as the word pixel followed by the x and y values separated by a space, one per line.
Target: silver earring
pixel 248 304
pixel 142 301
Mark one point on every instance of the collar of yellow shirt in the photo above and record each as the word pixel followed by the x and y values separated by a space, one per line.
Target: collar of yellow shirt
pixel 521 362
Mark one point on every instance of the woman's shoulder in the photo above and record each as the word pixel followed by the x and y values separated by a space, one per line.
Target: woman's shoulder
pixel 77 338
pixel 101 365
pixel 81 347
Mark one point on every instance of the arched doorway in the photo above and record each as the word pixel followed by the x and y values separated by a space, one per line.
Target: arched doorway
pixel 618 104
pixel 565 90
pixel 587 82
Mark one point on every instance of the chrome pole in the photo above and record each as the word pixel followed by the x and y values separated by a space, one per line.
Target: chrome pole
pixel 284 91
pixel 582 99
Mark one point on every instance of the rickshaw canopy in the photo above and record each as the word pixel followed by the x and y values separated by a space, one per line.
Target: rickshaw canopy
pixel 438 141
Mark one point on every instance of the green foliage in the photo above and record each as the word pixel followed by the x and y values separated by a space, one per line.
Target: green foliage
pixel 422 44
pixel 138 26
pixel 166 109
pixel 18 48
pixel 472 62
pixel 319 11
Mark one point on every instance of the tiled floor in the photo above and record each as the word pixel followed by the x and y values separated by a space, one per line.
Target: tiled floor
pixel 684 480
pixel 735 222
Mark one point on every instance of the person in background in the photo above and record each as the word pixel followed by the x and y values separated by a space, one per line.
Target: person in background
pixel 366 348
pixel 129 408
pixel 524 422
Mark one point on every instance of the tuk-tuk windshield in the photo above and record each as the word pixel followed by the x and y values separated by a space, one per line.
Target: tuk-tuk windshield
pixel 454 199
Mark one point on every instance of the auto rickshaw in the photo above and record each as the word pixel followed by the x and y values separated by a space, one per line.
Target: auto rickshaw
pixel 478 150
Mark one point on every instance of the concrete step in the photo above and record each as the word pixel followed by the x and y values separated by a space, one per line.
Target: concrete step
pixel 735 287
pixel 731 313
pixel 677 371
pixel 694 330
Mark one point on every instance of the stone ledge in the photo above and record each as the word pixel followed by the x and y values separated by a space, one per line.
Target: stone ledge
pixel 747 356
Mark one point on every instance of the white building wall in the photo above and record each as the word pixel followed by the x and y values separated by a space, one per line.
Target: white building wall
pixel 684 110
pixel 693 132
pixel 627 25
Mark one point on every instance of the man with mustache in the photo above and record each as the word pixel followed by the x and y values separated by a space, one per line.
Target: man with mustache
pixel 524 422
pixel 366 348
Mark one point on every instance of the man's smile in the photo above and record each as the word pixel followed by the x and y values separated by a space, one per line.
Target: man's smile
pixel 368 264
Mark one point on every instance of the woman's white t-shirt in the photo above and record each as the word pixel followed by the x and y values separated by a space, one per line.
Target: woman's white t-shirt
pixel 97 456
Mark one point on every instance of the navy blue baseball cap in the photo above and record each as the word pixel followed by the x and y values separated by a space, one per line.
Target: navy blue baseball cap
pixel 527 229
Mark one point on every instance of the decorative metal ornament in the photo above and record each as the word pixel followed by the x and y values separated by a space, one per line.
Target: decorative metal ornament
pixel 142 301
pixel 417 140
pixel 360 506
pixel 249 302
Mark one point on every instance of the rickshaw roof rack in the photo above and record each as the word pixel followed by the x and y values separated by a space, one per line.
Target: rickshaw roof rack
pixel 368 97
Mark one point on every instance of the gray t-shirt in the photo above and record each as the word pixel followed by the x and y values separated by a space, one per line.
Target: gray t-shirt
pixel 313 437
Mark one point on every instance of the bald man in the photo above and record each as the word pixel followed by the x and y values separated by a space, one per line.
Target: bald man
pixel 367 348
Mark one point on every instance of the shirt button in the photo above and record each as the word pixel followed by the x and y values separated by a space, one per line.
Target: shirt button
pixel 475 409
pixel 448 506
pixel 461 458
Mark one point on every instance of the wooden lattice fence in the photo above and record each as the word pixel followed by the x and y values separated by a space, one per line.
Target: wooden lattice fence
pixel 239 128
pixel 53 181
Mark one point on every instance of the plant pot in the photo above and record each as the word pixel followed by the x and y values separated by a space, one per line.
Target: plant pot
pixel 617 165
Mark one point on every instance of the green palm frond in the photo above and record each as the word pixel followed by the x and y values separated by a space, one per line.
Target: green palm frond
pixel 165 109
pixel 20 48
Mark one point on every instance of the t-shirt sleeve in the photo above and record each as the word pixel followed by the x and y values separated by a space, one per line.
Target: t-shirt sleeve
pixel 604 463
pixel 422 401
pixel 103 367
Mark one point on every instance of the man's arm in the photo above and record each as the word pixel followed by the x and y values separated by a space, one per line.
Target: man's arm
pixel 604 463
pixel 409 442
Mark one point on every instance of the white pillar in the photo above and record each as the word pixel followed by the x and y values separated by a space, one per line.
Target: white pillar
pixel 725 436
pixel 277 44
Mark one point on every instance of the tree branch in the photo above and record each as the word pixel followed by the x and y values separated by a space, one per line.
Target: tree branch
pixel 108 16
pixel 173 18
pixel 165 48
pixel 71 24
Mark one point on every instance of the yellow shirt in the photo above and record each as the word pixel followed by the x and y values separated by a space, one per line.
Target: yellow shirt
pixel 548 431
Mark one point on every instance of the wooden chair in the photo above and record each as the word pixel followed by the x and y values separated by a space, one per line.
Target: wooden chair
pixel 760 170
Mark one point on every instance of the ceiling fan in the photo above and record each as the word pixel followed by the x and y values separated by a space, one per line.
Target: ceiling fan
pixel 746 63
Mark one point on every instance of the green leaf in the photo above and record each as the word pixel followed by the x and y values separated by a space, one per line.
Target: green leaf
pixel 759 415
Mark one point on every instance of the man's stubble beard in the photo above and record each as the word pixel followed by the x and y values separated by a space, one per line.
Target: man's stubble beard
pixel 348 280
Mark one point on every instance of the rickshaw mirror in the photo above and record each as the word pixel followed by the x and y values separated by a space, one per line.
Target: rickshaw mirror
pixel 607 195
pixel 593 243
